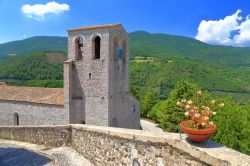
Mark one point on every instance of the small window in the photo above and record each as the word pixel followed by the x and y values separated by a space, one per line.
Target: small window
pixel 120 53
pixel 79 48
pixel 97 47
pixel 134 108
pixel 16 119
pixel 115 52
pixel 124 48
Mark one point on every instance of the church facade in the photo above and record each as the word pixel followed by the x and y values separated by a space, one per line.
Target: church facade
pixel 96 90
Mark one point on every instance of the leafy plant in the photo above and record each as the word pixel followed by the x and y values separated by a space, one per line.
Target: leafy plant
pixel 199 114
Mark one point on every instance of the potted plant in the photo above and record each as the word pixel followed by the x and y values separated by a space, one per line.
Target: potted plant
pixel 199 128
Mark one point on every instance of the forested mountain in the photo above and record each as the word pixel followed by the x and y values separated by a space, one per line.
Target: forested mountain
pixel 173 58
pixel 38 43
pixel 144 44
pixel 39 68
pixel 159 77
pixel 147 44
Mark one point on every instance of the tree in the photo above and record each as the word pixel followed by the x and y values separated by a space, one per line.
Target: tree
pixel 169 115
pixel 148 102
pixel 233 125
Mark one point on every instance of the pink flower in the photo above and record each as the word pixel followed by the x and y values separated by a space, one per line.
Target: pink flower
pixel 178 103
pixel 211 123
pixel 189 101
pixel 198 92
pixel 206 118
pixel 183 100
pixel 221 105
pixel 186 113
pixel 197 115
pixel 212 101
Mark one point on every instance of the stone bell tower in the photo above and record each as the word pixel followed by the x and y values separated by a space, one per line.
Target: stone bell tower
pixel 96 77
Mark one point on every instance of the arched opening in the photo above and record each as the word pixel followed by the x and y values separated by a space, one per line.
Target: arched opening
pixel 124 48
pixel 115 52
pixel 79 48
pixel 97 47
pixel 77 93
pixel 16 119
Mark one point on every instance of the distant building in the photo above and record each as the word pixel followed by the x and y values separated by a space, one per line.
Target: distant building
pixel 96 90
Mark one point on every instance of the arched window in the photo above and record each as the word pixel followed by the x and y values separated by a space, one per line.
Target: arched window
pixel 124 48
pixel 16 119
pixel 115 49
pixel 78 48
pixel 97 47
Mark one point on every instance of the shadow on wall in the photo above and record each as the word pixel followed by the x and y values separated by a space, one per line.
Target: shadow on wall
pixel 78 99
pixel 21 157
pixel 206 144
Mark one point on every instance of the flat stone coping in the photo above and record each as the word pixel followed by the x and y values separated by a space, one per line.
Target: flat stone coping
pixel 208 152
pixel 39 153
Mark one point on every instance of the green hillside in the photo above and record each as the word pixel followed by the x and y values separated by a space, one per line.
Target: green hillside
pixel 40 68
pixel 38 43
pixel 161 76
pixel 221 70
pixel 147 74
pixel 146 44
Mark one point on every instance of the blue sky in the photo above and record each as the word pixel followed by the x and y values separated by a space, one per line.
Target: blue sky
pixel 180 17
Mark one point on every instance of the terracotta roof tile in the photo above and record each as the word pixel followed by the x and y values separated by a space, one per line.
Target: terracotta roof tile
pixel 32 94
pixel 96 27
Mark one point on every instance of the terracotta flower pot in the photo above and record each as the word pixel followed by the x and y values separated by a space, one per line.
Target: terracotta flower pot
pixel 197 135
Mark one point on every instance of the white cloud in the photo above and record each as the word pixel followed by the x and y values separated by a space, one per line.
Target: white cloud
pixel 243 38
pixel 232 30
pixel 40 11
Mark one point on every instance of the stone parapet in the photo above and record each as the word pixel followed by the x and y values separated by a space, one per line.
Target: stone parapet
pixel 54 136
pixel 116 146
pixel 112 146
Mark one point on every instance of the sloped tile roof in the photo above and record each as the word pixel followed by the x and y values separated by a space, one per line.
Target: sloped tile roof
pixel 96 27
pixel 32 94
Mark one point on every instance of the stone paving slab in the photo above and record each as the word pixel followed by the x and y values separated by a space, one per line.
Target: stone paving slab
pixel 15 153
pixel 150 126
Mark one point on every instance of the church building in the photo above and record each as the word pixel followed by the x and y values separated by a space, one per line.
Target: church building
pixel 96 90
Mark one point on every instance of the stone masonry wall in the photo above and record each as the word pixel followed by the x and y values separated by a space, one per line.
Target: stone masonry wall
pixel 53 136
pixel 119 103
pixel 99 92
pixel 115 146
pixel 32 113
pixel 90 77
pixel 107 148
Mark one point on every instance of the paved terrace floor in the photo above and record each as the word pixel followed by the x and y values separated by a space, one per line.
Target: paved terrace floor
pixel 150 126
pixel 14 153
